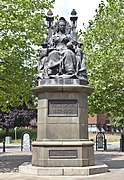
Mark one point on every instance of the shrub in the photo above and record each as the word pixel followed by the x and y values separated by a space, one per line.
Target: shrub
pixel 19 132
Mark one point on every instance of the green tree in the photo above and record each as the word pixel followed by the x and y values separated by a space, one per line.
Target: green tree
pixel 22 27
pixel 104 51
pixel 117 121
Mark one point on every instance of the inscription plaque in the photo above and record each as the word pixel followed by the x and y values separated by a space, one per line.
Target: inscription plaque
pixel 62 108
pixel 62 154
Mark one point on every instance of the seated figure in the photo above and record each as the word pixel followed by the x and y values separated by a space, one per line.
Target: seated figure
pixel 62 57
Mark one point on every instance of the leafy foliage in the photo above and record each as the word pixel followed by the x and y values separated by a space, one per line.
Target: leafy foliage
pixel 117 121
pixel 22 27
pixel 104 51
pixel 17 117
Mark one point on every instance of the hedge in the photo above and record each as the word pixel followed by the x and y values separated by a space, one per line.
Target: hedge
pixel 19 132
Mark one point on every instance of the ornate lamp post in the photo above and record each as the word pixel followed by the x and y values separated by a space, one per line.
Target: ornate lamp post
pixel 73 19
pixel 49 19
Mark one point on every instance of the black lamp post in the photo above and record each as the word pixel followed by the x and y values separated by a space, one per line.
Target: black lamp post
pixel 49 19
pixel 73 19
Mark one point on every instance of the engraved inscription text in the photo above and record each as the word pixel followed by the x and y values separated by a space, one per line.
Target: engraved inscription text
pixel 62 154
pixel 62 108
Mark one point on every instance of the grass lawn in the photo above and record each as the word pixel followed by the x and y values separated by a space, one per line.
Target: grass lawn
pixel 110 137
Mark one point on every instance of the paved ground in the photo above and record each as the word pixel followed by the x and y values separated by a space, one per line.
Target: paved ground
pixel 10 160
pixel 10 163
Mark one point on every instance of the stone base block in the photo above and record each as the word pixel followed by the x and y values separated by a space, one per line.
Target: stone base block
pixel 63 171
pixel 63 153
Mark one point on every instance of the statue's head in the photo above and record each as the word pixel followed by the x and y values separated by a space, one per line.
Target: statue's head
pixel 62 25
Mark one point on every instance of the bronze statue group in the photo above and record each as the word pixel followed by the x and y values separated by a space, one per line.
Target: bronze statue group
pixel 62 56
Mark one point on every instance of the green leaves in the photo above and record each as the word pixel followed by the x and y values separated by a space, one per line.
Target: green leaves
pixel 22 27
pixel 104 51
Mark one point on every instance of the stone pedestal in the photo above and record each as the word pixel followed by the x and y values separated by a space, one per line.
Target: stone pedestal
pixel 62 135
pixel 63 154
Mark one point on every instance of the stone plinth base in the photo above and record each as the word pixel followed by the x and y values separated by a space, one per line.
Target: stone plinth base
pixel 63 171
pixel 62 81
pixel 63 153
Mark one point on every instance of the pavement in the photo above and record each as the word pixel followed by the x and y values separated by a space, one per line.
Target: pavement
pixel 14 157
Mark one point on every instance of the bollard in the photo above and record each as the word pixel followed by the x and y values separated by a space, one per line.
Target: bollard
pixel 122 142
pixel 3 146
pixel 105 144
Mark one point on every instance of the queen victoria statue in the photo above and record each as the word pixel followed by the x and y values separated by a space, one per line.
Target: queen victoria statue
pixel 61 55
pixel 62 147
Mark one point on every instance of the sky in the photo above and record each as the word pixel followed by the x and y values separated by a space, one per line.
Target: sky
pixel 85 10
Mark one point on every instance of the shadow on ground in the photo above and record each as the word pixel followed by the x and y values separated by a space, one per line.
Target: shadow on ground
pixel 11 162
pixel 114 160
